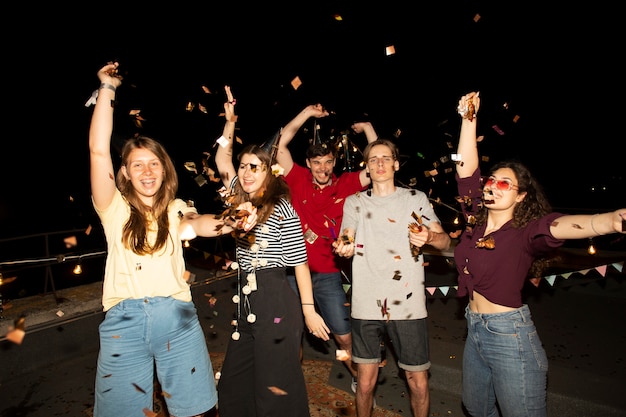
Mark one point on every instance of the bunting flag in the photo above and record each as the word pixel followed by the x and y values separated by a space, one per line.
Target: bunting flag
pixel 445 289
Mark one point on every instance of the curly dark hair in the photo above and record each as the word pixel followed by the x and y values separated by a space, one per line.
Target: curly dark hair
pixel 532 207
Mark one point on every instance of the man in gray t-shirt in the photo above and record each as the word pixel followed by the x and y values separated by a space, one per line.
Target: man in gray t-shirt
pixel 383 229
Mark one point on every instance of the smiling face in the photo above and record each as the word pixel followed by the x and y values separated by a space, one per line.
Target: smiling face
pixel 145 172
pixel 501 189
pixel 252 174
pixel 322 168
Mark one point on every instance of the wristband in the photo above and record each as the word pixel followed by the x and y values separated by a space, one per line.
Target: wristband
pixel 107 85
pixel 593 228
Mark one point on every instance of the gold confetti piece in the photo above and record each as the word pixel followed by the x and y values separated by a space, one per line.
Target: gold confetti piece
pixel 70 242
pixel 149 413
pixel 296 83
pixel 191 166
pixel 486 242
pixel 138 388
pixel 342 355
pixel 16 336
pixel 166 394
pixel 206 89
pixel 60 313
pixel 200 180
pixel 390 50
pixel 277 391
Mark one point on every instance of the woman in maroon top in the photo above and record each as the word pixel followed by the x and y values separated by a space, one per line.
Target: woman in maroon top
pixel 511 229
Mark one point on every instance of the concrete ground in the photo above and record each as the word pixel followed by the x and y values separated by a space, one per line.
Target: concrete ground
pixel 580 321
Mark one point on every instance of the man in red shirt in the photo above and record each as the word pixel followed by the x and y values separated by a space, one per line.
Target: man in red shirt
pixel 318 196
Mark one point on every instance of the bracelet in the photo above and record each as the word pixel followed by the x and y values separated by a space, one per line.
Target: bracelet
pixel 308 304
pixel 593 228
pixel 107 85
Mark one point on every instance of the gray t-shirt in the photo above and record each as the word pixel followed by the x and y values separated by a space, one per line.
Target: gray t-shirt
pixel 387 281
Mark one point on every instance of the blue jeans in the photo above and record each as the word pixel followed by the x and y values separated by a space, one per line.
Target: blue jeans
pixel 504 362
pixel 137 334
pixel 330 300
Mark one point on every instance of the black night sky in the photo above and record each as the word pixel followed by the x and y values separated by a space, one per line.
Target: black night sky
pixel 558 72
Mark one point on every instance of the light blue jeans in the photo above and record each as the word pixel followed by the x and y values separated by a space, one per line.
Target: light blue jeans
pixel 137 334
pixel 504 362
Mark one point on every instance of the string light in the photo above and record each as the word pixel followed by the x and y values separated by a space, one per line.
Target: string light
pixel 591 250
pixel 78 269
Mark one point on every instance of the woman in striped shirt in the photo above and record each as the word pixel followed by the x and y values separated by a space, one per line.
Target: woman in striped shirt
pixel 262 372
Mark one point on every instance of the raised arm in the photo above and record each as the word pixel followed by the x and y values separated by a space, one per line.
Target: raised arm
pixel 370 134
pixel 101 164
pixel 283 156
pixel 468 144
pixel 224 153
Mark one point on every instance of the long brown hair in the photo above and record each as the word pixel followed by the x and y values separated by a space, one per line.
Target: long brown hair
pixel 135 234
pixel 274 188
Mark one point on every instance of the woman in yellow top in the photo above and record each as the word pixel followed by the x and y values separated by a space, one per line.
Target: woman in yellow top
pixel 150 317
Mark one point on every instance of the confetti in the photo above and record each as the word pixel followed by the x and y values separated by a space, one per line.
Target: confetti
pixel 342 355
pixel 277 391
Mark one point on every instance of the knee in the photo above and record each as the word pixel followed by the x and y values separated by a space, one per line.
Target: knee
pixel 344 340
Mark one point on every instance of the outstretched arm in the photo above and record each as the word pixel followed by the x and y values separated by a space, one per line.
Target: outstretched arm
pixel 193 225
pixel 468 144
pixel 283 156
pixel 224 153
pixel 101 164
pixel 581 226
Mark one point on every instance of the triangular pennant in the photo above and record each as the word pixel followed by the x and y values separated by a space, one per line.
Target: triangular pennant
pixel 206 255
pixel 618 265
pixel 444 289
pixel 601 269
pixel 431 290
pixel 566 275
pixel 584 271
pixel 346 288
pixel 551 279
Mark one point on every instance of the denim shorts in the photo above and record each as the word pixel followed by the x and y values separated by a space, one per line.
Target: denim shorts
pixel 330 300
pixel 407 338
pixel 137 334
